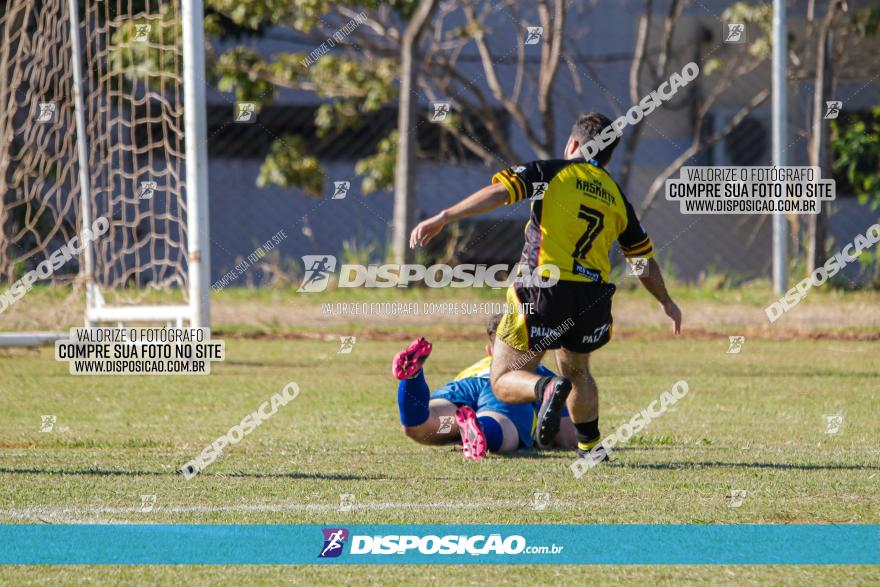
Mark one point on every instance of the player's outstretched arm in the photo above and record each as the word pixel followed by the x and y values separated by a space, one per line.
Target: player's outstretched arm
pixel 654 283
pixel 479 202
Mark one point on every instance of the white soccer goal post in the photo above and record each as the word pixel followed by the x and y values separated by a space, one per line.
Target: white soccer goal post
pixel 102 120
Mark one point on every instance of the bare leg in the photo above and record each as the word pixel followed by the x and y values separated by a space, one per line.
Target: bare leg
pixel 510 440
pixel 513 376
pixel 442 417
pixel 583 401
pixel 429 431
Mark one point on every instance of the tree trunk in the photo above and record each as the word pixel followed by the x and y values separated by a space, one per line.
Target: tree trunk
pixel 818 152
pixel 407 122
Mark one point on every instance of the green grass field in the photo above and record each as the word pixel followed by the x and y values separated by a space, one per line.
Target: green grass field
pixel 753 422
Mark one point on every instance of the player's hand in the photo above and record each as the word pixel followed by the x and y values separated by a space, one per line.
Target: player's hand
pixel 674 313
pixel 426 231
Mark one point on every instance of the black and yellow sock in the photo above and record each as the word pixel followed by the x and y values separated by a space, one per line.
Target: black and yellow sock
pixel 588 434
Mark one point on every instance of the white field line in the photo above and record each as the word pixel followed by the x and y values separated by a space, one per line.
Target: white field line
pixel 78 521
pixel 48 512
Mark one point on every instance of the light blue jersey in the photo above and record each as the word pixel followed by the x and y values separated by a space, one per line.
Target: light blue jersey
pixel 471 388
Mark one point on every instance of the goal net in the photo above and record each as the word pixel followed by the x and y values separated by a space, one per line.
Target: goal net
pixel 114 183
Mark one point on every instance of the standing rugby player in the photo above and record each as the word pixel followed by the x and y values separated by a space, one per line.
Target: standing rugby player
pixel 577 212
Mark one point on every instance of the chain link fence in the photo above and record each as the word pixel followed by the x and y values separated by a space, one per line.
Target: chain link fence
pixel 302 125
pixel 722 118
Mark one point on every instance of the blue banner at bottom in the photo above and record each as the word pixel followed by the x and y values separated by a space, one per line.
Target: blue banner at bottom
pixel 628 544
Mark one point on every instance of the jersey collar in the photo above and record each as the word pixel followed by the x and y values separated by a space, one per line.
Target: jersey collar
pixel 591 161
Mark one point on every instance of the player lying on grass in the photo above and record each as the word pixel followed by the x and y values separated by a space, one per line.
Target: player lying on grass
pixel 466 408
pixel 577 212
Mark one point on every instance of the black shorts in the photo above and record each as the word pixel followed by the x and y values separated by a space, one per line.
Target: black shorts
pixel 572 315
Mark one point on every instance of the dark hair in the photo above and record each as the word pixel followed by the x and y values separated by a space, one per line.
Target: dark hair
pixel 587 127
pixel 492 326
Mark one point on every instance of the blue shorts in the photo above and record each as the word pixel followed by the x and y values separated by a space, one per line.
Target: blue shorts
pixel 476 393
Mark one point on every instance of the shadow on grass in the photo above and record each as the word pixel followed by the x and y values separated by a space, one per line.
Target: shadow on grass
pixel 556 454
pixel 242 474
pixel 719 464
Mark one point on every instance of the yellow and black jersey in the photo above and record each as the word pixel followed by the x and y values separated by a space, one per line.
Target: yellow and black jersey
pixel 479 369
pixel 578 211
